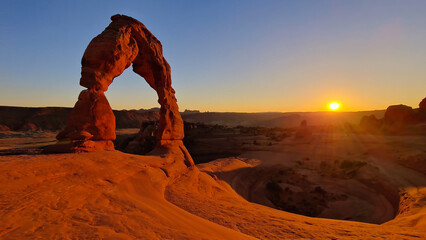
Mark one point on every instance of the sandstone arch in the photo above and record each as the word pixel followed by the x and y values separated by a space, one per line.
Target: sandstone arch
pixel 126 41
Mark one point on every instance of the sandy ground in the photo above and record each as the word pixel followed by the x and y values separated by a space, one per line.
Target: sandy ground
pixel 16 142
pixel 112 195
pixel 21 140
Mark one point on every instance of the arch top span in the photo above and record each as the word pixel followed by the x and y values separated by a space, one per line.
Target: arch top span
pixel 124 42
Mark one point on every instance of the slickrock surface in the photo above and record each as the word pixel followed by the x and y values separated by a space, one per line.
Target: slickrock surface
pixel 112 195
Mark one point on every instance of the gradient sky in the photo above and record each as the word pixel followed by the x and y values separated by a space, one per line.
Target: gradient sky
pixel 244 56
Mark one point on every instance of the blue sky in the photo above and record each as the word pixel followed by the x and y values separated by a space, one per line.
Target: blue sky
pixel 226 55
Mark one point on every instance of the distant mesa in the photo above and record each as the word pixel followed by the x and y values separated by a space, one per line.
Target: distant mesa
pixel 422 109
pixel 187 111
pixel 155 109
pixel 399 115
pixel 55 118
pixel 91 124
pixel 397 119
pixel 422 104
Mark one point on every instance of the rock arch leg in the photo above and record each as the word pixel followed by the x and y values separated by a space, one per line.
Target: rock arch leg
pixel 91 124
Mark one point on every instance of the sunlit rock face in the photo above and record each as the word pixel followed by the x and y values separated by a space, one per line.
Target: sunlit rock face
pixel 91 118
pixel 107 56
pixel 124 42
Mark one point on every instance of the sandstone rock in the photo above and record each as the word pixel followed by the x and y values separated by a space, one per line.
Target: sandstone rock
pixel 399 115
pixel 81 135
pixel 145 140
pixel 123 42
pixel 79 146
pixel 107 56
pixel 92 114
pixel 422 104
pixel 146 143
pixel 173 150
pixel 422 110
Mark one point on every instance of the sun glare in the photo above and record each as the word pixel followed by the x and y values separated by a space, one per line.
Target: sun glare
pixel 334 106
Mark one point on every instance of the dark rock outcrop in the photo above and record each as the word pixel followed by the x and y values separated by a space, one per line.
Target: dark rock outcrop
pixel 422 105
pixel 303 130
pixel 422 110
pixel 144 141
pixel 55 118
pixel 46 119
pixel 399 115
pixel 397 119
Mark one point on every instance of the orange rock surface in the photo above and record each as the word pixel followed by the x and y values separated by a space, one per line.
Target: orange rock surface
pixel 112 195
pixel 91 114
pixel 124 42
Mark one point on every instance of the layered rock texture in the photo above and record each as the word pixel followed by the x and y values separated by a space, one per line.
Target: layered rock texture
pixel 126 41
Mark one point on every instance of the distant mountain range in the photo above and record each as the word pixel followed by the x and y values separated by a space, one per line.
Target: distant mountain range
pixel 277 119
pixel 55 118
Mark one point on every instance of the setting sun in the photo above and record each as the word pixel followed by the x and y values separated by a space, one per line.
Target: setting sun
pixel 334 106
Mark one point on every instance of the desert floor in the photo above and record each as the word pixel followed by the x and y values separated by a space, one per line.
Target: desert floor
pixel 379 180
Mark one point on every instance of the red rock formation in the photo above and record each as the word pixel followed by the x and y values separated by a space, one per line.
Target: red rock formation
pixel 92 114
pixel 123 42
pixel 399 115
pixel 144 141
pixel 422 104
pixel 422 110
